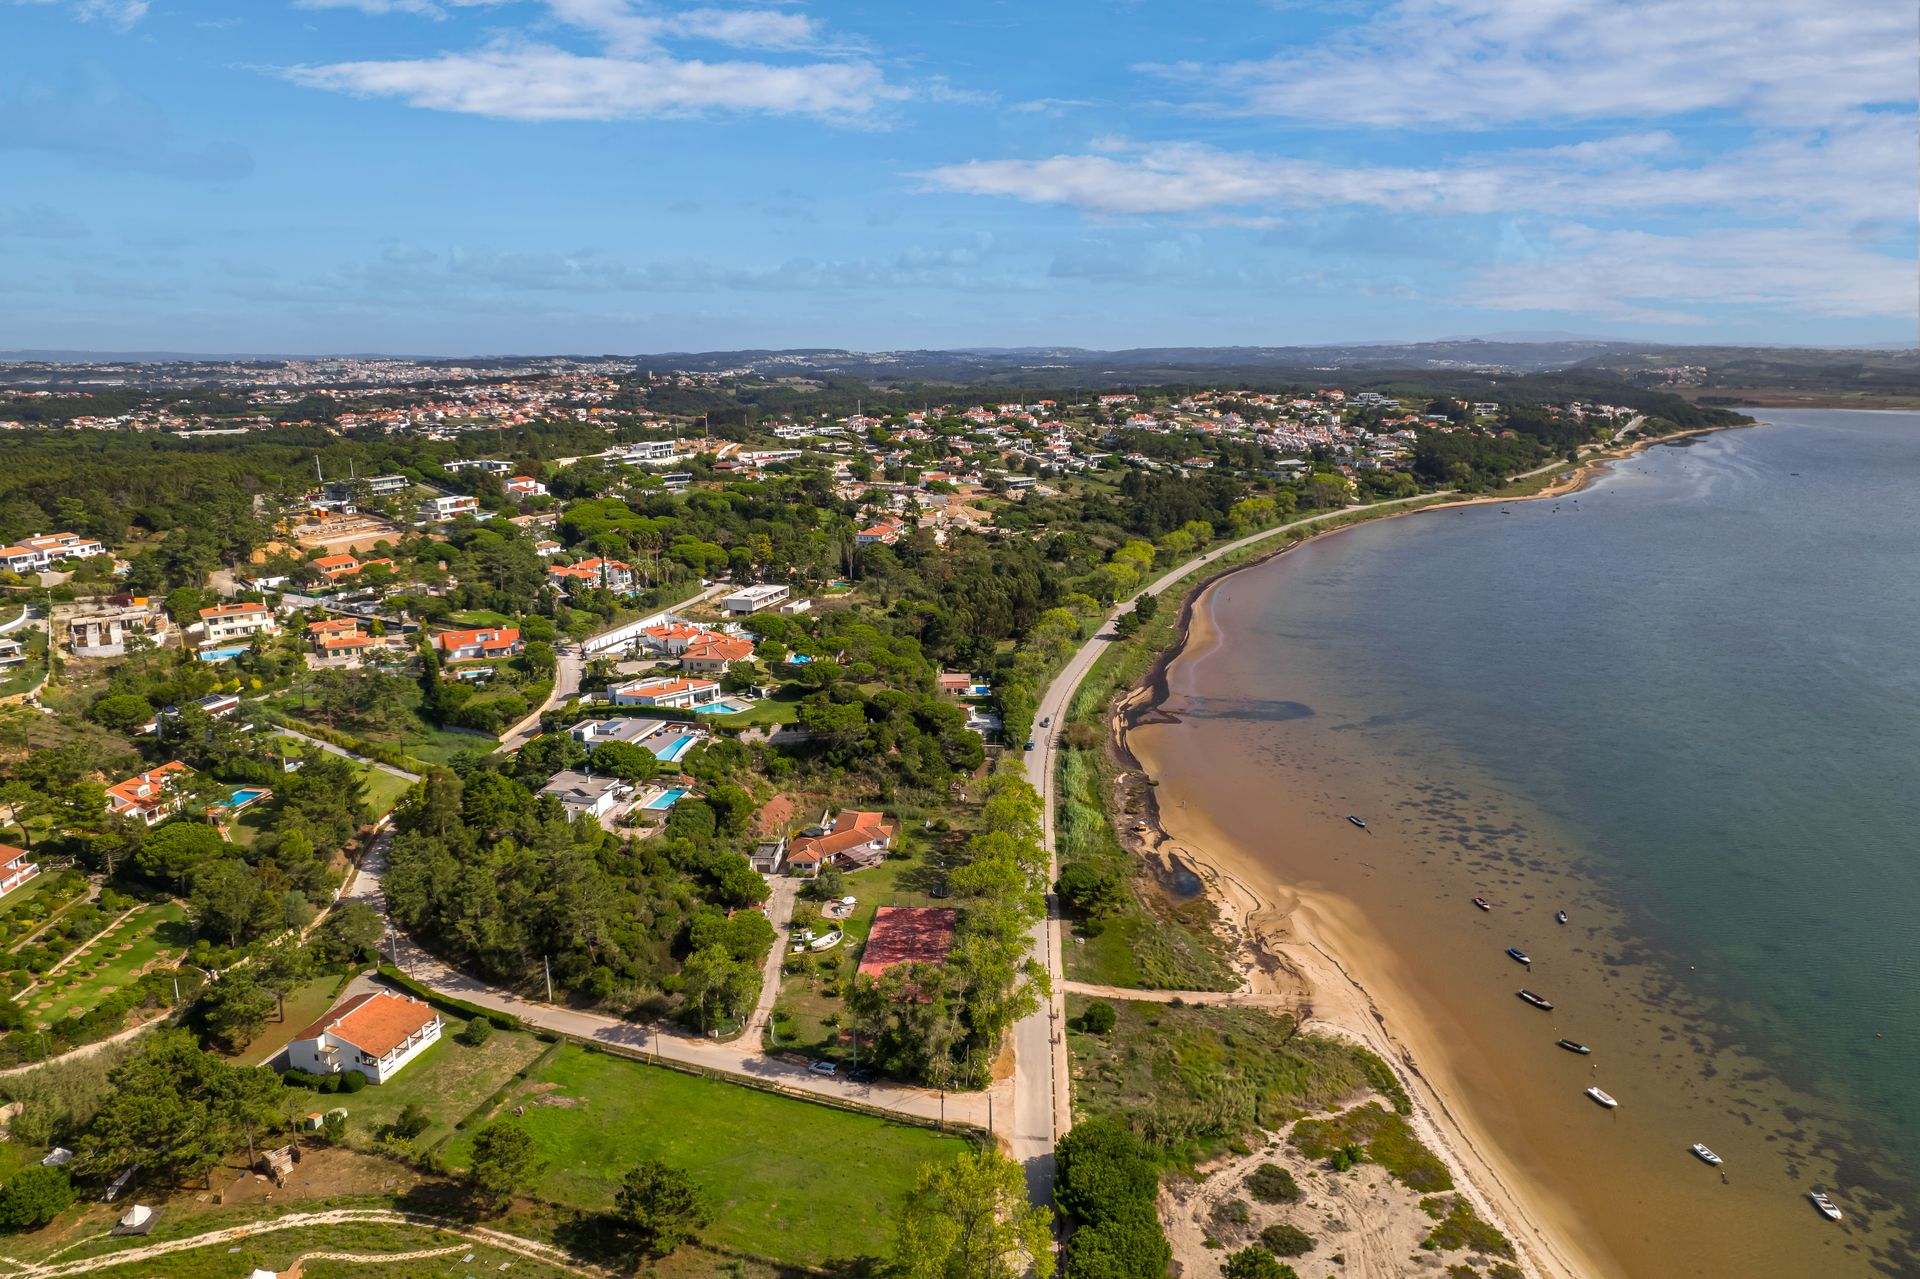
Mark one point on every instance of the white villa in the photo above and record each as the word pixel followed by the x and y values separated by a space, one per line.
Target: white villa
pixel 377 1034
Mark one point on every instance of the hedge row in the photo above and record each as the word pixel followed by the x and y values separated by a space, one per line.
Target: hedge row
pixel 1106 1183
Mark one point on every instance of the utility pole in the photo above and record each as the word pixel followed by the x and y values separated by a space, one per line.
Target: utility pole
pixel 547 967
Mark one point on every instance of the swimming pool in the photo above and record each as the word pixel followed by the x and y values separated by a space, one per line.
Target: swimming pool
pixel 725 706
pixel 243 798
pixel 222 654
pixel 673 750
pixel 667 799
pixel 798 659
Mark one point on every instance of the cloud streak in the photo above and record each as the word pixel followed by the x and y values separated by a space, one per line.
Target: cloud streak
pixel 632 76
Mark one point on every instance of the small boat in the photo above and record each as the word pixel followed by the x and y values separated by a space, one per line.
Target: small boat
pixel 1536 1000
pixel 1519 956
pixel 1704 1155
pixel 1560 917
pixel 1825 1205
pixel 1573 1047
pixel 1602 1098
pixel 1483 903
pixel 1356 821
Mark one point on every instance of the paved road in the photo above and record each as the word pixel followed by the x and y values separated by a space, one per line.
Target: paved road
pixel 1042 1089
pixel 741 1057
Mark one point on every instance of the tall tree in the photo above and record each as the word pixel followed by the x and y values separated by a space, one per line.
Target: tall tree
pixel 970 1219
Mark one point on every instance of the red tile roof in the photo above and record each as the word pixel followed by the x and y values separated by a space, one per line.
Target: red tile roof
pixel 376 1023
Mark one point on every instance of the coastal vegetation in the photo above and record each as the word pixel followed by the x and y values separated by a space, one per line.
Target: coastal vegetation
pixel 1188 1081
pixel 1457 1226
pixel 1378 1135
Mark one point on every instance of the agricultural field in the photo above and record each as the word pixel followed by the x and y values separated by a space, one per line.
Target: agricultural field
pixel 791 1181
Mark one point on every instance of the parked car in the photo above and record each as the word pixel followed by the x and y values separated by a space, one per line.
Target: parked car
pixel 824 1068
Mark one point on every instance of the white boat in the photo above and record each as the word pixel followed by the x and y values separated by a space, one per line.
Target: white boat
pixel 1602 1098
pixel 1705 1155
pixel 1825 1205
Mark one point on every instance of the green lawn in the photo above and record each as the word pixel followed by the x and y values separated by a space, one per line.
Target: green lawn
pixel 478 617
pixel 790 1180
pixel 782 708
pixel 21 678
pixel 112 961
pixel 384 790
pixel 448 1081
pixel 305 1003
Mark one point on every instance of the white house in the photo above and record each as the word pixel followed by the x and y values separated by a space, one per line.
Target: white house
pixel 440 509
pixel 751 599
pixel 15 868
pixel 487 464
pixel 664 691
pixel 585 793
pixel 227 622
pixel 376 1034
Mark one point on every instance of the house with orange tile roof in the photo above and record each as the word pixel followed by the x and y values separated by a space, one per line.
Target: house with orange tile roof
pixel 335 567
pixel 460 646
pixel 614 575
pixel 15 869
pixel 712 654
pixel 377 1034
pixel 853 840
pixel 672 638
pixel 151 796
pixel 886 531
pixel 227 622
pixel 665 691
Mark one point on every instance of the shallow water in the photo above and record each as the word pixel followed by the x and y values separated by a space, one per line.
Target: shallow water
pixel 1683 704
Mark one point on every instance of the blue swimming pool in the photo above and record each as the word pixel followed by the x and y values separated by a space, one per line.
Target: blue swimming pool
pixel 673 750
pixel 725 706
pixel 799 659
pixel 667 799
pixel 222 654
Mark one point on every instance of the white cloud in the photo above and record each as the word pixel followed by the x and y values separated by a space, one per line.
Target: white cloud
pixel 540 82
pixel 117 13
pixel 1479 63
pixel 1861 171
pixel 423 8
pixel 1636 275
pixel 633 76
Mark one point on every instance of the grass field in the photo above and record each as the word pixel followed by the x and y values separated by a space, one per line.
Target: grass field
pixel 305 1003
pixel 448 1081
pixel 790 1180
pixel 782 708
pixel 278 1250
pixel 112 961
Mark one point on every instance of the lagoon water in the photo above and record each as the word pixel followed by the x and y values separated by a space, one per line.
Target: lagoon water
pixel 1683 703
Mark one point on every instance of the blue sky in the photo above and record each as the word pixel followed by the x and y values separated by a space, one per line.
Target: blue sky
pixel 478 176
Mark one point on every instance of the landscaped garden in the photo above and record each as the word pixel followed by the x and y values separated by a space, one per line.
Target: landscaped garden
pixel 152 935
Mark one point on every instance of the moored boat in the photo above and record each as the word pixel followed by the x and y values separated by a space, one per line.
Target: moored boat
pixel 1559 916
pixel 1483 903
pixel 1825 1205
pixel 1704 1155
pixel 1519 956
pixel 1602 1098
pixel 1536 1000
pixel 1356 821
pixel 1573 1047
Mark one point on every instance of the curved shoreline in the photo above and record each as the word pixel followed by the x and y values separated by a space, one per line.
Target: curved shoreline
pixel 1295 947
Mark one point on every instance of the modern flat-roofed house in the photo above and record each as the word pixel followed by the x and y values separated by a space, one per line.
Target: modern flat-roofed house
pixel 621 728
pixel 15 869
pixel 103 631
pixel 853 840
pixel 438 510
pixel 664 691
pixel 377 1034
pixel 460 646
pixel 585 793
pixel 751 599
pixel 151 796
pixel 225 623
pixel 487 464
pixel 12 653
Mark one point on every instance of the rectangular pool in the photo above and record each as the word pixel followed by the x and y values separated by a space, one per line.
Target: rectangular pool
pixel 667 799
pixel 222 654
pixel 725 706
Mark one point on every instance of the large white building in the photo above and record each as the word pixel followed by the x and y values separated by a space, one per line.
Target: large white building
pixel 751 599
pixel 376 1034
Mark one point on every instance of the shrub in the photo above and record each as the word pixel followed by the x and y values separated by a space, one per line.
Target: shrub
pixel 1283 1240
pixel 1272 1184
pixel 352 1081
pixel 35 1196
pixel 476 1032
pixel 1256 1263
pixel 1099 1017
